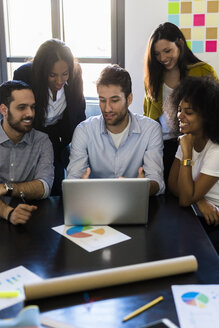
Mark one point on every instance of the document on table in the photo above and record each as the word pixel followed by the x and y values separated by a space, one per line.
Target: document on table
pixel 197 305
pixel 92 238
pixel 14 280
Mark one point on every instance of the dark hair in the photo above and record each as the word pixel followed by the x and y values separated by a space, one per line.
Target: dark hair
pixel 47 55
pixel 202 93
pixel 114 74
pixel 153 70
pixel 6 89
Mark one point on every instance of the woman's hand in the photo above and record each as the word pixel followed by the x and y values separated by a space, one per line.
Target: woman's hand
pixel 186 142
pixel 209 210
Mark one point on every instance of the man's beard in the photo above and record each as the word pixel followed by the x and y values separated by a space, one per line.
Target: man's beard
pixel 17 125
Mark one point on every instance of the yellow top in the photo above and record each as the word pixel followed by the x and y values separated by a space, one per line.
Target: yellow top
pixel 153 109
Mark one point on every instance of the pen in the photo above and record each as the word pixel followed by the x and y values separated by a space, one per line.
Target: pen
pixel 9 293
pixel 143 308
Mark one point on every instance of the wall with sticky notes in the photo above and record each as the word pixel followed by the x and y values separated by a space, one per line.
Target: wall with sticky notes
pixel 198 20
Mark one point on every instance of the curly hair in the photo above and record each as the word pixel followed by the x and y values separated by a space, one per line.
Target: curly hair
pixel 153 70
pixel 202 93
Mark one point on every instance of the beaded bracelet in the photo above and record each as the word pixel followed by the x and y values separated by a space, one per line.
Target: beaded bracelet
pixel 9 215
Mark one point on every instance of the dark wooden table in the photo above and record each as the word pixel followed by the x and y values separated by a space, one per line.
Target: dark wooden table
pixel 172 232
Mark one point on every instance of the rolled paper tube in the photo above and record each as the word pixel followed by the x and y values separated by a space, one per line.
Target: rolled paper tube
pixel 110 277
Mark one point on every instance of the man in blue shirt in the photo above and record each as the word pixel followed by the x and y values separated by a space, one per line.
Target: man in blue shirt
pixel 117 143
pixel 26 155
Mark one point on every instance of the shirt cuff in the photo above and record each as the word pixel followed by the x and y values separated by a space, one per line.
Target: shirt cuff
pixel 161 188
pixel 46 189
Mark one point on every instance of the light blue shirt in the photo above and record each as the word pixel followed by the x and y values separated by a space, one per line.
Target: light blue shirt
pixel 93 147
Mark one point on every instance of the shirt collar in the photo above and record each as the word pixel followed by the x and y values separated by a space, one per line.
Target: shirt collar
pixel 3 135
pixel 58 95
pixel 103 129
pixel 27 138
pixel 134 126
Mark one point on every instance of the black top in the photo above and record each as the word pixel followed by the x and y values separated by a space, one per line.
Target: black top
pixel 74 112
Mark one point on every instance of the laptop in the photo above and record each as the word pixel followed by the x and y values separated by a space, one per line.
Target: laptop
pixel 105 201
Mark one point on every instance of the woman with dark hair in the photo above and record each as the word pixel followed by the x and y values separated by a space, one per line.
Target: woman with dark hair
pixel 168 60
pixel 60 106
pixel 194 175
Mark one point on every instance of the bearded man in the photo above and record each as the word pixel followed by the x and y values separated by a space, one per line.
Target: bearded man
pixel 26 155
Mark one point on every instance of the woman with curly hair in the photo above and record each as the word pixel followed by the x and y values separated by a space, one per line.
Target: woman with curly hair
pixel 194 175
pixel 168 60
pixel 56 80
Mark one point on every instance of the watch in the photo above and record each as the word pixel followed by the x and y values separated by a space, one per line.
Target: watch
pixel 9 188
pixel 187 162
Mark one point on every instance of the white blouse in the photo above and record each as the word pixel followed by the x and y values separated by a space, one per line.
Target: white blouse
pixel 55 108
pixel 164 118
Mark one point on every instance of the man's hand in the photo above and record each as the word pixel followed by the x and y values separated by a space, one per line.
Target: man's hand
pixel 141 172
pixel 209 210
pixel 86 175
pixel 22 213
pixel 2 189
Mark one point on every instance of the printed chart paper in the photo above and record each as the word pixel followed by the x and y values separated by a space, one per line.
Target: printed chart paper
pixel 15 279
pixel 197 305
pixel 92 238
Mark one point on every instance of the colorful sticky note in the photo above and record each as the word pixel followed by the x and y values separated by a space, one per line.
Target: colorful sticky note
pixel 199 20
pixel 189 44
pixel 186 20
pixel 186 7
pixel 173 8
pixel 186 32
pixel 211 20
pixel 199 7
pixel 211 46
pixel 174 19
pixel 197 46
pixel 198 33
pixel 211 33
pixel 212 7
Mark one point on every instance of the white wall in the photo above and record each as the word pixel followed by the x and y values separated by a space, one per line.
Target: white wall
pixel 141 18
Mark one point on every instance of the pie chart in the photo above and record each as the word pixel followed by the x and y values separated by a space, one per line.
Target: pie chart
pixel 81 231
pixel 78 232
pixel 195 299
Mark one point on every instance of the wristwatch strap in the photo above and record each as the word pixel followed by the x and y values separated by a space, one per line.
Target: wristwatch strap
pixel 187 162
pixel 9 188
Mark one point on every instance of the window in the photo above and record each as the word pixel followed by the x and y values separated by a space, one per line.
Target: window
pixel 93 29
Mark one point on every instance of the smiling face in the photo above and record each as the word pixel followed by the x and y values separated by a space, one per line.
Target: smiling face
pixel 19 115
pixel 114 107
pixel 58 76
pixel 167 53
pixel 189 120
